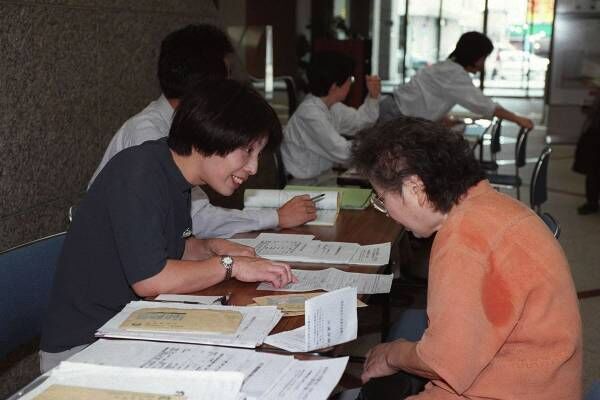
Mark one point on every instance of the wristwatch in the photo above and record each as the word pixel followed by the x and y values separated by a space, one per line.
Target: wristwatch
pixel 227 263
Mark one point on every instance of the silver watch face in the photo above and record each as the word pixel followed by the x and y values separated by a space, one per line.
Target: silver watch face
pixel 227 260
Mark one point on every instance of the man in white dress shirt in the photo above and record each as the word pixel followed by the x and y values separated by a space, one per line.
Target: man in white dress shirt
pixel 186 56
pixel 434 90
pixel 313 140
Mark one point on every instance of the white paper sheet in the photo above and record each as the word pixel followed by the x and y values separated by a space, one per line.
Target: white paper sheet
pixel 327 207
pixel 329 319
pixel 301 248
pixel 293 341
pixel 374 254
pixel 331 279
pixel 314 380
pixel 195 385
pixel 256 324
pixel 244 241
pixel 186 298
pixel 259 369
pixel 267 375
pixel 270 198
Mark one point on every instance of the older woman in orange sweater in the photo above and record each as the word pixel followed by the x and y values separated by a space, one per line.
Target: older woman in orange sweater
pixel 503 318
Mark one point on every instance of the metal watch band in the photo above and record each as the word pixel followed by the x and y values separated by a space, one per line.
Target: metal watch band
pixel 227 263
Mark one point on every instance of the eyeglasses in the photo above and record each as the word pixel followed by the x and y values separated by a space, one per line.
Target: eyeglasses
pixel 378 203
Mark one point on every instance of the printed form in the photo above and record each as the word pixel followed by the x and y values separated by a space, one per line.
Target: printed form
pixel 255 324
pixel 331 279
pixel 329 319
pixel 264 373
pixel 302 248
pixel 92 382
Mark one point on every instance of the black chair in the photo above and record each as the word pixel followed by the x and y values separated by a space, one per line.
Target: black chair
pixel 552 224
pixel 538 193
pixel 290 88
pixel 513 181
pixel 495 132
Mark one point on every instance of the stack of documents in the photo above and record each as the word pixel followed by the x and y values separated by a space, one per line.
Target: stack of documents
pixel 303 248
pixel 291 305
pixel 328 207
pixel 332 279
pixel 72 380
pixel 191 323
pixel 353 198
pixel 329 319
pixel 267 376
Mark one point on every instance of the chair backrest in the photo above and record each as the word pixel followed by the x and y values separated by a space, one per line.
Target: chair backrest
pixel 290 89
pixel 552 224
pixel 521 148
pixel 26 275
pixel 538 193
pixel 496 134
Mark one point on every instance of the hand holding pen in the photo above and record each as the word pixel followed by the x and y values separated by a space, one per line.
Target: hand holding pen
pixel 318 198
pixel 297 211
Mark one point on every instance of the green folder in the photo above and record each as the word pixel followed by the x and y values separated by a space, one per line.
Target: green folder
pixel 352 198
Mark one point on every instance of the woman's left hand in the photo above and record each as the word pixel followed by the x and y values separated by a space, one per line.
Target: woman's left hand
pixel 377 363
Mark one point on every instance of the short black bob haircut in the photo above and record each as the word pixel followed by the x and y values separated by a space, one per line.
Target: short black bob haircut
pixel 327 68
pixel 389 153
pixel 221 115
pixel 470 48
pixel 192 53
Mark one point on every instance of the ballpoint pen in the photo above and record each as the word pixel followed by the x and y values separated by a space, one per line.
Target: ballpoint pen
pixel 318 197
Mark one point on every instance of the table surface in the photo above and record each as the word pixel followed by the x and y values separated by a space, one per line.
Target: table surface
pixel 365 227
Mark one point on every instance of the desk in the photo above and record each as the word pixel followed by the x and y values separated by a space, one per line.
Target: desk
pixel 365 227
pixel 352 178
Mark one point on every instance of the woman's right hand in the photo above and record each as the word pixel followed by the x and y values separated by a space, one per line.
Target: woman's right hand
pixel 254 269
pixel 525 123
pixel 373 83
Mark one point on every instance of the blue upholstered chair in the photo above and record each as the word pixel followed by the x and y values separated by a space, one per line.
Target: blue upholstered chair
pixel 593 392
pixel 26 274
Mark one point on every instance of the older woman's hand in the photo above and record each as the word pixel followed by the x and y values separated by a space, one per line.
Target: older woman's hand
pixel 378 362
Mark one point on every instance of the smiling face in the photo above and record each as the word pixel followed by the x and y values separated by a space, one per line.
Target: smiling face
pixel 411 208
pixel 226 173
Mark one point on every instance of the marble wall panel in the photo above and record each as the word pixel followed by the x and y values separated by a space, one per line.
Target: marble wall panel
pixel 71 73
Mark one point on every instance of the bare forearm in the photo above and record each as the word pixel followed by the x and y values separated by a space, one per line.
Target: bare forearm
pixel 503 113
pixel 202 249
pixel 180 276
pixel 406 358
pixel 196 249
pixel 523 122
